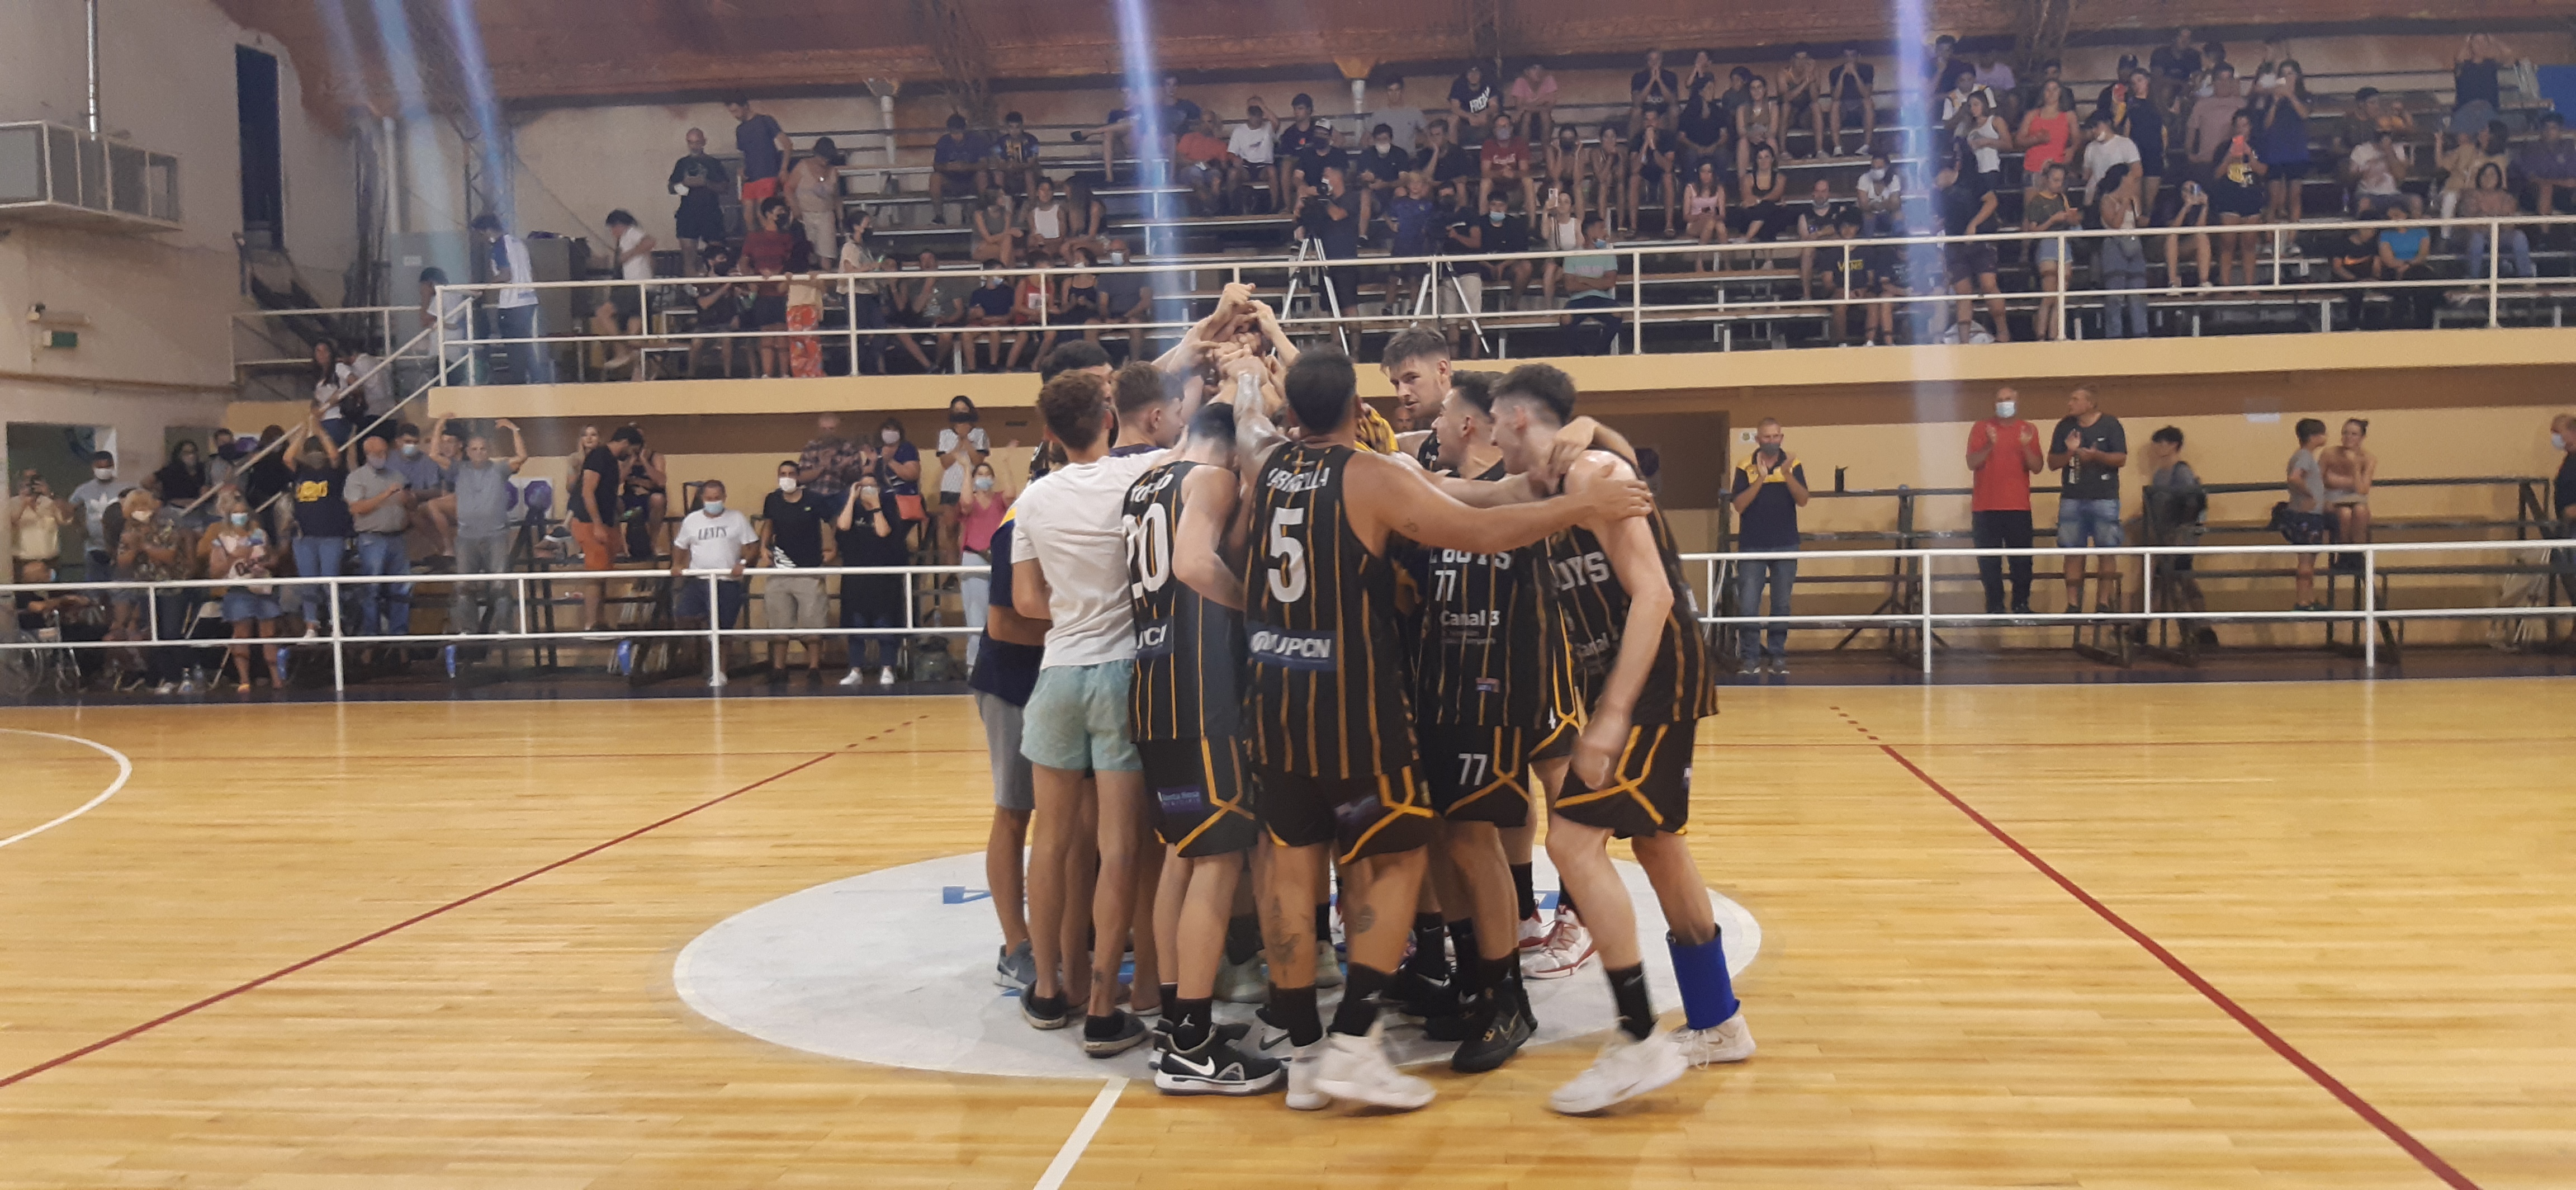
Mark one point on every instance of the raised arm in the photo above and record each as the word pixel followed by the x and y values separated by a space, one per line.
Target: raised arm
pixel 518 444
pixel 1385 495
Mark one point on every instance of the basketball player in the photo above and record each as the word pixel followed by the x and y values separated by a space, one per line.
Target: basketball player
pixel 1073 572
pixel 1416 361
pixel 1332 721
pixel 1645 675
pixel 1187 714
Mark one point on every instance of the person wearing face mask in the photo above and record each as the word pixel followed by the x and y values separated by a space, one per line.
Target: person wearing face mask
pixel 237 549
pixel 712 540
pixel 896 463
pixel 479 491
pixel 962 445
pixel 2003 453
pixel 323 523
pixel 791 538
pixel 980 512
pixel 380 500
pixel 1882 198
pixel 156 548
pixel 36 521
pixel 1378 167
pixel 869 533
pixel 1768 490
pixel 93 499
pixel 427 478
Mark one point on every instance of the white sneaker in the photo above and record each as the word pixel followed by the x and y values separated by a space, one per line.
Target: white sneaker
pixel 1730 1041
pixel 312 633
pixel 1567 949
pixel 1356 1070
pixel 886 675
pixel 1305 1065
pixel 1533 935
pixel 1328 964
pixel 1626 1069
pixel 852 678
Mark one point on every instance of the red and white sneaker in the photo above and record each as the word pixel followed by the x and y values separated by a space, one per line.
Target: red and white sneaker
pixel 1567 948
pixel 1533 935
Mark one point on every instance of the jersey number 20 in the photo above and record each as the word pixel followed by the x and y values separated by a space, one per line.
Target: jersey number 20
pixel 1149 551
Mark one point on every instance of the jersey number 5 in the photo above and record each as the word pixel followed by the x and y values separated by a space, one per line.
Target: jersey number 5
pixel 1287 556
pixel 1149 550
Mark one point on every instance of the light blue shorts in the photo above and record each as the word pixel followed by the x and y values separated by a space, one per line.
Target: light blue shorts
pixel 2089 522
pixel 1077 719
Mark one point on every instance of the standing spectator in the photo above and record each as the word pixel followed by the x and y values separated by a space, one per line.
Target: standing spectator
pixel 266 481
pixel 380 499
pixel 238 549
pixel 2492 201
pixel 2046 209
pixel 2088 448
pixel 1768 490
pixel 1473 105
pixel 764 147
pixel 2236 193
pixel 2003 453
pixel 2173 66
pixel 2303 517
pixel 596 503
pixel 1405 120
pixel 791 538
pixel 962 448
pixel 1532 101
pixel 2047 131
pixel 220 456
pixel 2122 259
pixel 155 548
pixel 1985 136
pixel 869 533
pixel 980 513
pixel 1853 102
pixel 1014 155
pixel 323 525
pixel 94 498
pixel 2562 437
pixel 2375 168
pixel 956 167
pixel 480 485
pixel 427 479
pixel 181 481
pixel 514 316
pixel 1330 217
pixel 1249 152
pixel 2105 150
pixel 896 463
pixel 867 295
pixel 35 523
pixel 813 193
pixel 1968 209
pixel 713 540
pixel 634 253
pixel 2285 144
pixel 2477 90
pixel 2176 514
pixel 2207 130
pixel 2550 163
pixel 768 252
pixel 699 180
pixel 1004 673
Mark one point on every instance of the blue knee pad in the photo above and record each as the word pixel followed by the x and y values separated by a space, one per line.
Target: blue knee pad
pixel 1708 993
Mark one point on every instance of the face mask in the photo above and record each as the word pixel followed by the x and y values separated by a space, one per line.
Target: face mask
pixel 1602 242
pixel 2004 408
pixel 983 483
pixel 715 508
pixel 2558 441
pixel 1384 145
pixel 892 436
pixel 867 493
pixel 103 474
pixel 410 449
pixel 313 461
pixel 240 518
pixel 144 515
pixel 959 417
pixel 787 483
pixel 1494 216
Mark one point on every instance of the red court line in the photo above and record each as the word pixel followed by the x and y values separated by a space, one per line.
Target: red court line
pixel 408 922
pixel 2423 1155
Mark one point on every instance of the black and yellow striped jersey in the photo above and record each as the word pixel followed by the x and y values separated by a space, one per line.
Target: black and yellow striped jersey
pixel 1328 692
pixel 1189 650
pixel 1593 608
pixel 1487 651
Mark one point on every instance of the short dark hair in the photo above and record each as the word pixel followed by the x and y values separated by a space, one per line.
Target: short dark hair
pixel 1477 388
pixel 737 98
pixel 103 456
pixel 407 430
pixel 628 434
pixel 1071 404
pixel 956 123
pixel 2310 427
pixel 433 275
pixel 1301 99
pixel 1387 129
pixel 2497 128
pixel 2366 93
pixel 2548 118
pixel 1140 384
pixel 1071 356
pixel 1414 342
pixel 1546 384
pixel 2172 434
pixel 2100 120
pixel 485 222
pixel 1013 118
pixel 1322 386
pixel 789 463
pixel 1214 422
pixel 621 215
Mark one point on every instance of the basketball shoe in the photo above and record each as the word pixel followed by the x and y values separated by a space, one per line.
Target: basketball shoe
pixel 1567 949
pixel 1356 1070
pixel 1626 1069
pixel 1729 1041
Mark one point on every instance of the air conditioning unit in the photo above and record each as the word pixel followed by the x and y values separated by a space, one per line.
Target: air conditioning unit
pixel 55 173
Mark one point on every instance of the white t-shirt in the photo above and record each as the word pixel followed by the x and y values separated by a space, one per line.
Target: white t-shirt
pixel 1876 185
pixel 1069 522
pixel 714 543
pixel 1252 144
pixel 2376 170
pixel 639 267
pixel 953 479
pixel 515 250
pixel 2100 156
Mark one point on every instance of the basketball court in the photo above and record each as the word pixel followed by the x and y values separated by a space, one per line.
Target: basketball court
pixel 2217 935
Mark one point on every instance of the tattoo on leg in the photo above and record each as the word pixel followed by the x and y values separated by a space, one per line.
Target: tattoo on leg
pixel 1362 920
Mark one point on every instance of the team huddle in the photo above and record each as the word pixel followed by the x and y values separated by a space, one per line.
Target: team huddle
pixel 1293 645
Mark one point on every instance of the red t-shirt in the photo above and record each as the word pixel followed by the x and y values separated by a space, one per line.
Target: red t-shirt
pixel 1498 151
pixel 2003 484
pixel 1195 147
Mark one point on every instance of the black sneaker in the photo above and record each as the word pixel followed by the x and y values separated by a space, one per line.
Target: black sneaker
pixel 2021 607
pixel 1044 1012
pixel 1123 1033
pixel 1507 1026
pixel 1415 994
pixel 1228 1032
pixel 1217 1068
pixel 1273 1033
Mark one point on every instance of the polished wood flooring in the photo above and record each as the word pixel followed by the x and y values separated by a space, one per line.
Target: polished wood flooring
pixel 2315 935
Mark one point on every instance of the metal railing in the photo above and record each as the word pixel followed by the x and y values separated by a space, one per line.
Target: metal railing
pixel 260 336
pixel 1427 287
pixel 1921 618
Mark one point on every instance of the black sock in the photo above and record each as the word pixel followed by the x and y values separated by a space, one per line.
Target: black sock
pixel 1359 1001
pixel 1102 1028
pixel 1525 882
pixel 1429 959
pixel 1565 900
pixel 1628 991
pixel 1242 938
pixel 1294 1010
pixel 1171 992
pixel 1191 1021
pixel 1470 966
pixel 1502 976
pixel 1323 923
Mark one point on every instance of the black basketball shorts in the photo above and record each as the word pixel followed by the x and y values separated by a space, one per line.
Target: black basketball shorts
pixel 1360 817
pixel 1477 774
pixel 1200 793
pixel 1649 787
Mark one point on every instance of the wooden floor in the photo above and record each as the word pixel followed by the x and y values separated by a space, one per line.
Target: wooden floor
pixel 2261 935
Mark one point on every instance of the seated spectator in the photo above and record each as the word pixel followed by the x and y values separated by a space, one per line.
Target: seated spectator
pixel 1249 151
pixel 720 306
pixel 1013 157
pixel 1531 102
pixel 1124 123
pixel 1077 303
pixel 1815 222
pixel 2405 255
pixel 1560 230
pixel 2374 165
pixel 1507 231
pixel 1802 88
pixel 1406 120
pixel 1852 276
pixel 1379 168
pixel 2356 260
pixel 1045 225
pixel 1703 129
pixel 2460 165
pixel 2350 469
pixel 1854 104
pixel 989 311
pixel 956 166
pixel 1304 147
pixel 614 345
pixel 1090 215
pixel 2550 163
pixel 1759 215
pixel 1444 163
pixel 997 236
pixel 2492 201
pixel 1882 197
pixel 1127 299
pixel 869 534
pixel 2191 210
pixel 2302 519
pixel 717 541
pixel 1592 291
pixel 1473 106
pixel 1758 123
pixel 1704 205
pixel 1199 157
pixel 1505 160
pixel 1409 217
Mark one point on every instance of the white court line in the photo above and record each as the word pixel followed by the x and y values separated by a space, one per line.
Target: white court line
pixel 124 773
pixel 1062 1167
